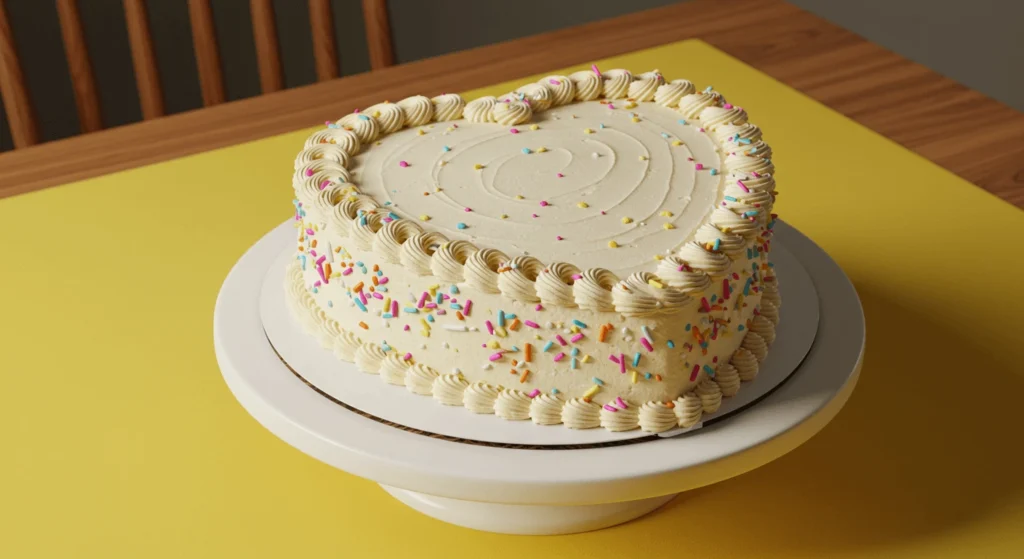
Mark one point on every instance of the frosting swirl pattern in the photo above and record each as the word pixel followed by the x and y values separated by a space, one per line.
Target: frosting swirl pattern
pixel 513 404
pixel 657 417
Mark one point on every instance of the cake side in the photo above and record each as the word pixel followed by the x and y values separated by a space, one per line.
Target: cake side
pixel 523 339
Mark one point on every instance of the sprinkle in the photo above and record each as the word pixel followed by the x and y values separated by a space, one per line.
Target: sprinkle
pixel 627 220
pixel 490 327
pixel 541 149
pixel 647 345
pixel 424 217
pixel 613 244
pixel 574 363
pixel 407 357
pixel 596 71
pixel 531 324
pixel 699 166
pixel 577 322
pixel 559 237
pixel 636 359
pixel 561 340
pixel 655 284
pixel 588 131
pixel 363 325
pixel 522 377
pixel 670 344
pixel 560 356
pixel 468 307
pixel 403 163
pixel 455 328
pixel 543 203
pixel 576 338
pixel 622 363
pixel 633 377
pixel 478 166
pixel 693 375
pixel 527 151
pixel 534 393
pixel 603 333
pixel 647 332
pixel 677 143
pixel 554 391
pixel 513 130
pixel 611 408
pixel 597 381
pixel 709 371
pixel 501 318
pixel 360 304
pixel 548 345
pixel 582 205
pixel 528 353
pixel 648 376
pixel 590 393
pixel 460 225
pixel 621 403
pixel 743 186
pixel 613 359
pixel 668 226
pixel 495 356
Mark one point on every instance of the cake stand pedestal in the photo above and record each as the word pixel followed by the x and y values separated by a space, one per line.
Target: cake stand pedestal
pixel 520 491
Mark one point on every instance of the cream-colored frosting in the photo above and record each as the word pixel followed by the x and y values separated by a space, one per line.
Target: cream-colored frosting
pixel 479 397
pixel 690 106
pixel 448 389
pixel 580 414
pixel 755 344
pixel 365 127
pixel 764 328
pixel 418 109
pixel 657 417
pixel 390 116
pixel 546 409
pixel 419 379
pixel 448 106
pixel 479 109
pixel 669 94
pixel 369 358
pixel 393 369
pixel 689 409
pixel 769 310
pixel 746 364
pixel 615 418
pixel 710 395
pixel 586 84
pixel 728 379
pixel 513 404
pixel 645 86
pixel 511 112
pixel 563 89
pixel 538 94
pixel 346 345
pixel 616 83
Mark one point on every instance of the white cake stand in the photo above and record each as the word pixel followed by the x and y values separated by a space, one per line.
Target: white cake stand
pixel 521 491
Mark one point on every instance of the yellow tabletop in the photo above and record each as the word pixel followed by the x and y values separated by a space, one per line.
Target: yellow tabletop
pixel 121 440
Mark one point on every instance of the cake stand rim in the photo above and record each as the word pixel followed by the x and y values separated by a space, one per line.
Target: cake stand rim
pixel 579 476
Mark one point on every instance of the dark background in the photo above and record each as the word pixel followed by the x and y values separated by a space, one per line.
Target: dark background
pixel 979 43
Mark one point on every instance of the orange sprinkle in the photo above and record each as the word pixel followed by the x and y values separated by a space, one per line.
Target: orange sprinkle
pixel 376 267
pixel 670 405
pixel 586 399
pixel 357 287
pixel 313 244
pixel 514 325
pixel 327 269
pixel 529 352
pixel 458 314
pixel 301 248
pixel 603 333
pixel 364 326
pixel 513 371
pixel 514 362
pixel 522 377
pixel 657 378
pixel 371 289
pixel 374 280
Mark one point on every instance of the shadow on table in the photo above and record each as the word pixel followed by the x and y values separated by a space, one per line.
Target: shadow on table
pixel 920 448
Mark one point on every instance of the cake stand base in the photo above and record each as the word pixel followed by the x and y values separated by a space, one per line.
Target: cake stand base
pixel 534 491
pixel 539 520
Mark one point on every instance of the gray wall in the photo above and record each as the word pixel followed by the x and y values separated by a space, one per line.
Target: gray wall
pixel 979 43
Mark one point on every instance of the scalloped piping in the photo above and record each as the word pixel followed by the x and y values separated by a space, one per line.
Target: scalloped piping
pixel 616 83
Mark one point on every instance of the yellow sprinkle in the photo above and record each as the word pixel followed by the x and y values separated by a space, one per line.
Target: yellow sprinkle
pixel 504 216
pixel 666 213
pixel 500 332
pixel 677 143
pixel 478 166
pixel 420 132
pixel 643 158
pixel 537 336
pixel 590 393
pixel 519 196
pixel 627 220
pixel 588 131
pixel 425 333
pixel 437 189
pixel 630 105
pixel 376 114
pixel 449 129
pixel 534 127
pixel 655 284
pixel 668 226
pixel 583 205
pixel 635 119
pixel 575 329
pixel 586 359
pixel 613 244
pixel 633 376
pixel 493 344
pixel 387 303
pixel 658 257
pixel 424 217
pixel 434 287
pixel 442 163
pixel 541 149
pixel 426 325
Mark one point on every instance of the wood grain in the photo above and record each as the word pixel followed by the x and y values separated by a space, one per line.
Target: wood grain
pixel 378 34
pixel 268 57
pixel 325 51
pixel 21 117
pixel 147 76
pixel 204 43
pixel 83 81
pixel 961 130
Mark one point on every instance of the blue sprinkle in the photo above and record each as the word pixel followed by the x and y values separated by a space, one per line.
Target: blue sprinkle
pixel 359 304
pixel 393 215
pixel 740 328
pixel 597 381
pixel 648 376
pixel 601 125
pixel 730 198
pixel 364 117
pixel 515 349
pixel 460 225
pixel 510 316
pixel 388 203
pixel 647 333
pixel 574 363
pixel 682 121
pixel 360 264
pixel 430 318
pixel 670 344
pixel 578 323
pixel 575 351
pixel 412 310
pixel 501 318
pixel 446 149
pixel 526 151
pixel 382 289
pixel 714 172
pixel 440 298
pixel 709 371
pixel 455 306
pixel 714 298
pixel 687 327
pixel 454 290
pixel 554 391
pixel 636 359
pixel 664 135
pixel 548 345
pixel 330 304
pixel 315 290
pixel 385 346
pixel 386 315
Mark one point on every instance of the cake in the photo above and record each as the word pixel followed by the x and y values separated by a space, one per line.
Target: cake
pixel 588 250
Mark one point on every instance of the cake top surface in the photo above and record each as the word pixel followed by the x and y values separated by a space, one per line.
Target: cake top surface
pixel 560 188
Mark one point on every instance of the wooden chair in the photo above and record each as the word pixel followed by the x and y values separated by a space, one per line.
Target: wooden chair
pixel 21 115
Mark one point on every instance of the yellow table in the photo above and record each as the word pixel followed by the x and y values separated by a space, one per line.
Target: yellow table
pixel 121 440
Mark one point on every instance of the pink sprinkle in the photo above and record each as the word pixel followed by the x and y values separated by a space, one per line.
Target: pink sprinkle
pixel 561 340
pixel 743 186
pixel 613 359
pixel 543 203
pixel 647 345
pixel 423 299
pixel 539 307
pixel 362 297
pixel 756 174
pixel 701 129
pixel 534 393
pixel 327 123
pixel 324 184
pixel 313 252
pixel 383 280
pixel 490 327
pixel 377 295
pixel 394 308
pixel 406 328
pixel 431 305
pixel 441 311
pixel 495 356
pixel 309 172
pixel 577 337
pixel 317 282
pixel 621 403
pixel 403 163
pixel 531 324
pixel 320 260
pixel 622 363
pixel 727 106
pixel 535 215
pixel 467 210
pixel 558 237
pixel 347 271
pixel 469 307
pixel 553 81
pixel 560 356
pixel 699 166
pixel 386 219
pixel 320 270
pixel 559 175
pixel 610 408
pixel 611 106
pixel 407 357
pixel 513 130
pixel 596 71
pixel 693 375
pixel 309 231
pixel 604 212
pixel 577 276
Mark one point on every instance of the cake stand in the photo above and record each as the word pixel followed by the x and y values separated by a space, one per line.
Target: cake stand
pixel 527 491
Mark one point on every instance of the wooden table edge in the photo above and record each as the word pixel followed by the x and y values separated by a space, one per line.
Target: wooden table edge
pixel 960 129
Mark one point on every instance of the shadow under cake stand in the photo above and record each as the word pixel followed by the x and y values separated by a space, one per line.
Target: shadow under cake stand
pixel 537 490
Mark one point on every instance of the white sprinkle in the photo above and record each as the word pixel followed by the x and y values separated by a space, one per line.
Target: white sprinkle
pixel 456 371
pixel 423 346
pixel 628 338
pixel 595 155
pixel 548 325
pixel 474 329
pixel 444 345
pixel 625 331
pixel 487 367
pixel 454 327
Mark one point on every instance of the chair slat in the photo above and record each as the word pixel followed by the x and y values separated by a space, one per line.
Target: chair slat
pixel 204 42
pixel 267 55
pixel 20 116
pixel 147 76
pixel 83 81
pixel 378 34
pixel 324 50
